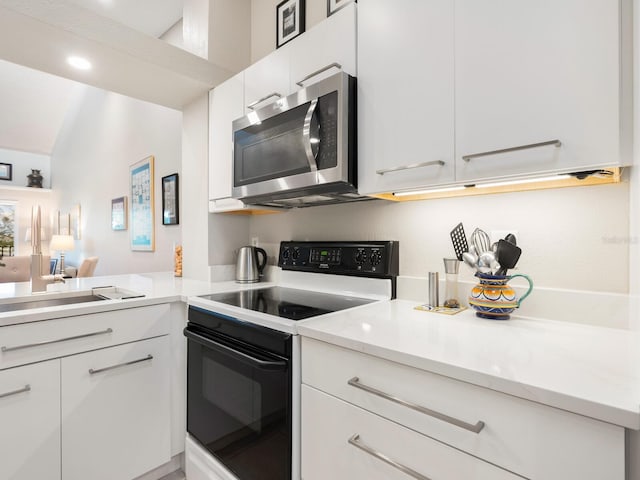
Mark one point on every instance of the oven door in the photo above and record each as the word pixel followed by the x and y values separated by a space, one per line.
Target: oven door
pixel 297 142
pixel 239 405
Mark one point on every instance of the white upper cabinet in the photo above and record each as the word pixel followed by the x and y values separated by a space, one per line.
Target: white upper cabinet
pixel 537 72
pixel 225 105
pixel 267 80
pixel 325 49
pixel 405 94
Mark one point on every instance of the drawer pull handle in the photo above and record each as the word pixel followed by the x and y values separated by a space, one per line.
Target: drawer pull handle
pixel 317 72
pixel 26 388
pixel 252 105
pixel 555 143
pixel 477 428
pixel 355 441
pixel 49 342
pixel 93 371
pixel 409 167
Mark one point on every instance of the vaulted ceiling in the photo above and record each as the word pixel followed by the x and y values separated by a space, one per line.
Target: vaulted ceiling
pixel 121 38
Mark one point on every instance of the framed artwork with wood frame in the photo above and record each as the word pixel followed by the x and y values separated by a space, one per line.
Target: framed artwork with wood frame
pixel 142 226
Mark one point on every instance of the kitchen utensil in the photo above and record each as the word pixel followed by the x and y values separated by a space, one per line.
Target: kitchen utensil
pixel 470 259
pixel 511 238
pixel 248 267
pixel 481 241
pixel 459 240
pixel 492 298
pixel 508 255
pixel 451 268
pixel 488 259
pixel 434 284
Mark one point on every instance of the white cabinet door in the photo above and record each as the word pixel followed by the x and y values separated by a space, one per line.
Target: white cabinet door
pixel 226 103
pixel 344 442
pixel 405 94
pixel 267 80
pixel 331 43
pixel 536 71
pixel 116 411
pixel 30 419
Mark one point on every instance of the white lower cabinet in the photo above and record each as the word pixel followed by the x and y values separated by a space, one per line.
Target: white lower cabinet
pixel 533 440
pixel 343 442
pixel 30 422
pixel 116 411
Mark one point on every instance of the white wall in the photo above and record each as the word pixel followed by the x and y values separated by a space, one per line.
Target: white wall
pixel 572 238
pixel 263 24
pixel 22 164
pixel 103 135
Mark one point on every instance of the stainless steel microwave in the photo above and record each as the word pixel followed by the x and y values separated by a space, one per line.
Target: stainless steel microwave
pixel 299 150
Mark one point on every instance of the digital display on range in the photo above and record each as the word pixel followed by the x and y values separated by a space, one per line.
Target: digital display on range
pixel 330 256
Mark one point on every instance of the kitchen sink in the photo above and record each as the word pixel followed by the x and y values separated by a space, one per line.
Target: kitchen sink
pixel 66 298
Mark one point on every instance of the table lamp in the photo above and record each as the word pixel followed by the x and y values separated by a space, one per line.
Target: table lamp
pixel 61 243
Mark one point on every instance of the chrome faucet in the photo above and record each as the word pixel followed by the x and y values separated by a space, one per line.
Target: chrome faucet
pixel 39 281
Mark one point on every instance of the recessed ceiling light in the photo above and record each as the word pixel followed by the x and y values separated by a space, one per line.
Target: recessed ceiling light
pixel 79 63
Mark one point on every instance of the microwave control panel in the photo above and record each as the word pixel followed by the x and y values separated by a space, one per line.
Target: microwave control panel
pixel 371 259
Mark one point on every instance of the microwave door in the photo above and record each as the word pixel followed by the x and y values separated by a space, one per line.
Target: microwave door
pixel 291 150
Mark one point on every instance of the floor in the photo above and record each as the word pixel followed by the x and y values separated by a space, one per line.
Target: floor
pixel 177 475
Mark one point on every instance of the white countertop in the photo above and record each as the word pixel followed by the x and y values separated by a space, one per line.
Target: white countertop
pixel 593 371
pixel 161 287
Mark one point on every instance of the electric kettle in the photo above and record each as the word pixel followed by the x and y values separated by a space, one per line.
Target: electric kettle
pixel 248 267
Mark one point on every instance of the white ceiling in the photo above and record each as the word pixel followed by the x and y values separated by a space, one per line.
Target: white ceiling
pixel 119 36
pixel 153 17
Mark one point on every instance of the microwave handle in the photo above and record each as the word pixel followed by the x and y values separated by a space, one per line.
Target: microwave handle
pixel 306 134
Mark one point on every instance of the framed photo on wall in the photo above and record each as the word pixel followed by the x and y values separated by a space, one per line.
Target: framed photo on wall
pixel 119 213
pixel 290 21
pixel 142 234
pixel 334 5
pixel 6 171
pixel 170 204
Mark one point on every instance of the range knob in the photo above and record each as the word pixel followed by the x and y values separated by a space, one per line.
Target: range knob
pixel 296 254
pixel 360 257
pixel 286 254
pixel 376 258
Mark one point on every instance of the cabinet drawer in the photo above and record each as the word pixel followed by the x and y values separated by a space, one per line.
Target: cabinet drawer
pixel 116 411
pixel 519 435
pixel 37 341
pixel 30 419
pixel 334 434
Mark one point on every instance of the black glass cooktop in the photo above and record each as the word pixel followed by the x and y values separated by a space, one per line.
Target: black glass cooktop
pixel 288 303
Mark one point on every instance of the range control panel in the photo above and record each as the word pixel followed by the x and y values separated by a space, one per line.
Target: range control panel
pixel 371 259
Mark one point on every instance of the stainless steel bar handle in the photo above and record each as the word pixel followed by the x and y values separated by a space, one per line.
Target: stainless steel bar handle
pixel 409 167
pixel 475 428
pixel 49 342
pixel 306 134
pixel 93 371
pixel 355 441
pixel 252 105
pixel 555 143
pixel 26 388
pixel 317 72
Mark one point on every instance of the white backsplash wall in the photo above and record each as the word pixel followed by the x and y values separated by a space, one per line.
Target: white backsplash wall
pixel 573 238
pixel 102 136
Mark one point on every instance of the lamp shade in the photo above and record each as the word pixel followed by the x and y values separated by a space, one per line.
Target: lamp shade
pixel 62 243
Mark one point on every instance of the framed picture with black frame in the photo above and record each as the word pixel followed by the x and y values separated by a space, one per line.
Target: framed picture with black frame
pixel 290 20
pixel 6 171
pixel 170 197
pixel 334 5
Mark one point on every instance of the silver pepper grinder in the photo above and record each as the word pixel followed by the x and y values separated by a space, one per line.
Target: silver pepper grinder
pixel 451 267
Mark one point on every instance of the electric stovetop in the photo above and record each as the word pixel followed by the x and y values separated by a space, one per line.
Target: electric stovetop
pixel 290 303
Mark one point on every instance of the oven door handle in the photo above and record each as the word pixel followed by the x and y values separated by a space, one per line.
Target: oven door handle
pixel 237 354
